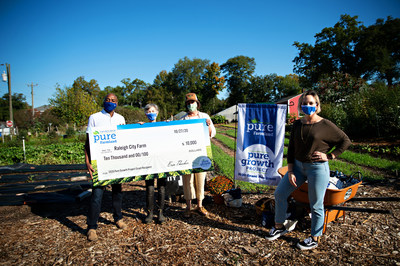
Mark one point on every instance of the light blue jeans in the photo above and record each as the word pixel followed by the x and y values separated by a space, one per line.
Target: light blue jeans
pixel 317 175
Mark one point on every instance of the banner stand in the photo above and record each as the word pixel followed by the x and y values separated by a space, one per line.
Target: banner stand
pixel 234 153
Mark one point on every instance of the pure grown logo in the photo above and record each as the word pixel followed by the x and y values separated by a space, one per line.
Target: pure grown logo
pixel 104 137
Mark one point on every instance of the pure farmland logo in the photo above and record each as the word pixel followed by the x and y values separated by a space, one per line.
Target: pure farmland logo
pixel 260 126
pixel 105 137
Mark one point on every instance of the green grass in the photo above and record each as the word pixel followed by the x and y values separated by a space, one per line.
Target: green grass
pixel 349 169
pixel 368 160
pixel 226 167
pixel 227 141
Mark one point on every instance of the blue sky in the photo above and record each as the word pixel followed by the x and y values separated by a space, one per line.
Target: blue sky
pixel 48 42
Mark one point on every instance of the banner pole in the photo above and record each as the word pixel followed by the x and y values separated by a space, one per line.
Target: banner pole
pixel 234 152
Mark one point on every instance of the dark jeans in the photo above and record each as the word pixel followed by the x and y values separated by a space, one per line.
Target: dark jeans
pixel 95 204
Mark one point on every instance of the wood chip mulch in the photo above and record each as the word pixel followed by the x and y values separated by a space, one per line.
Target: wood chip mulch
pixel 55 234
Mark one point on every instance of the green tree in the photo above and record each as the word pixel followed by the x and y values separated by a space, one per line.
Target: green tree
pixel 213 84
pixel 73 105
pixel 18 103
pixel 133 92
pixel 91 87
pixel 187 76
pixel 333 51
pixel 379 50
pixel 262 89
pixel 238 73
pixel 287 86
pixel 159 94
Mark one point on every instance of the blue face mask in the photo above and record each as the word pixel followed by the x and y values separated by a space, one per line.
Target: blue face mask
pixel 109 106
pixel 308 110
pixel 151 116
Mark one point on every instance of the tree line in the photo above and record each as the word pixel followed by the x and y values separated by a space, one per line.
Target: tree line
pixel 347 64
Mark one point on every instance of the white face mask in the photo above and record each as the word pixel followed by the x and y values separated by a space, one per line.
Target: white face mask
pixel 192 107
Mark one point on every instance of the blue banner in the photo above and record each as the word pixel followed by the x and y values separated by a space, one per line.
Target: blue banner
pixel 260 141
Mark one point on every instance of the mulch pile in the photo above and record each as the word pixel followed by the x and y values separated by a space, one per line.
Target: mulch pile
pixel 55 234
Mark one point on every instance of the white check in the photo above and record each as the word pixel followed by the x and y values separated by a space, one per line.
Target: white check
pixel 151 148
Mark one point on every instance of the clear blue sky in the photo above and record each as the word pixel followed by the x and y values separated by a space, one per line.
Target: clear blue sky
pixel 48 42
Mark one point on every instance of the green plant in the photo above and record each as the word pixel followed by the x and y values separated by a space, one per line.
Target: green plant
pixel 218 119
pixel 70 132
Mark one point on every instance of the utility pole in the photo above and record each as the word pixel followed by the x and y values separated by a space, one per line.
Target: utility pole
pixel 32 85
pixel 8 79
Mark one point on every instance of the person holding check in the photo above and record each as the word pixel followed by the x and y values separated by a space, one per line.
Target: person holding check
pixel 106 118
pixel 193 184
pixel 151 112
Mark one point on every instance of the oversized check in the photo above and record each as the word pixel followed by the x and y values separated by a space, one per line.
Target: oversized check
pixel 135 152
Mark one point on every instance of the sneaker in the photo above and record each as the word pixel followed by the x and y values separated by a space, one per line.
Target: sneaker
pixel 121 224
pixel 202 210
pixel 92 235
pixel 308 243
pixel 276 233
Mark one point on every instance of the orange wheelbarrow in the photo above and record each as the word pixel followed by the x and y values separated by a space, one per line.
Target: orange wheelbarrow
pixel 332 197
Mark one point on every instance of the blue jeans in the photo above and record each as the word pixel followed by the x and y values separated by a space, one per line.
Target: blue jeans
pixel 95 204
pixel 317 174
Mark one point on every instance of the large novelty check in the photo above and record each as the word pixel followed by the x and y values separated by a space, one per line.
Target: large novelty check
pixel 136 152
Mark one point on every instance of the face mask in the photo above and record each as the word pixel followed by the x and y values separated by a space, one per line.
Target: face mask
pixel 308 110
pixel 151 116
pixel 192 107
pixel 109 106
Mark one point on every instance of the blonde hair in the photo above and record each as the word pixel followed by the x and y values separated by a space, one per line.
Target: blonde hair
pixel 313 94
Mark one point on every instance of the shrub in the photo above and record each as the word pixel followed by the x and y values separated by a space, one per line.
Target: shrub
pixel 70 132
pixel 218 119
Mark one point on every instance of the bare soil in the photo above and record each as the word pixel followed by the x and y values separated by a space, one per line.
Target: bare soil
pixel 55 234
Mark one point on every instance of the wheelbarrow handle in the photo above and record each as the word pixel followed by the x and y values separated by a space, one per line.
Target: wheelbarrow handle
pixel 376 199
pixel 368 210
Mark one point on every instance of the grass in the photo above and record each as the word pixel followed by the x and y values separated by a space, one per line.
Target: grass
pixel 368 160
pixel 349 169
pixel 226 166
pixel 227 141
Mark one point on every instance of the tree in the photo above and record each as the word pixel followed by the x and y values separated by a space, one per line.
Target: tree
pixel 18 103
pixel 73 105
pixel 159 94
pixel 379 50
pixel 338 87
pixel 334 51
pixel 349 47
pixel 262 89
pixel 133 92
pixel 287 86
pixel 187 77
pixel 91 87
pixel 238 72
pixel 213 84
